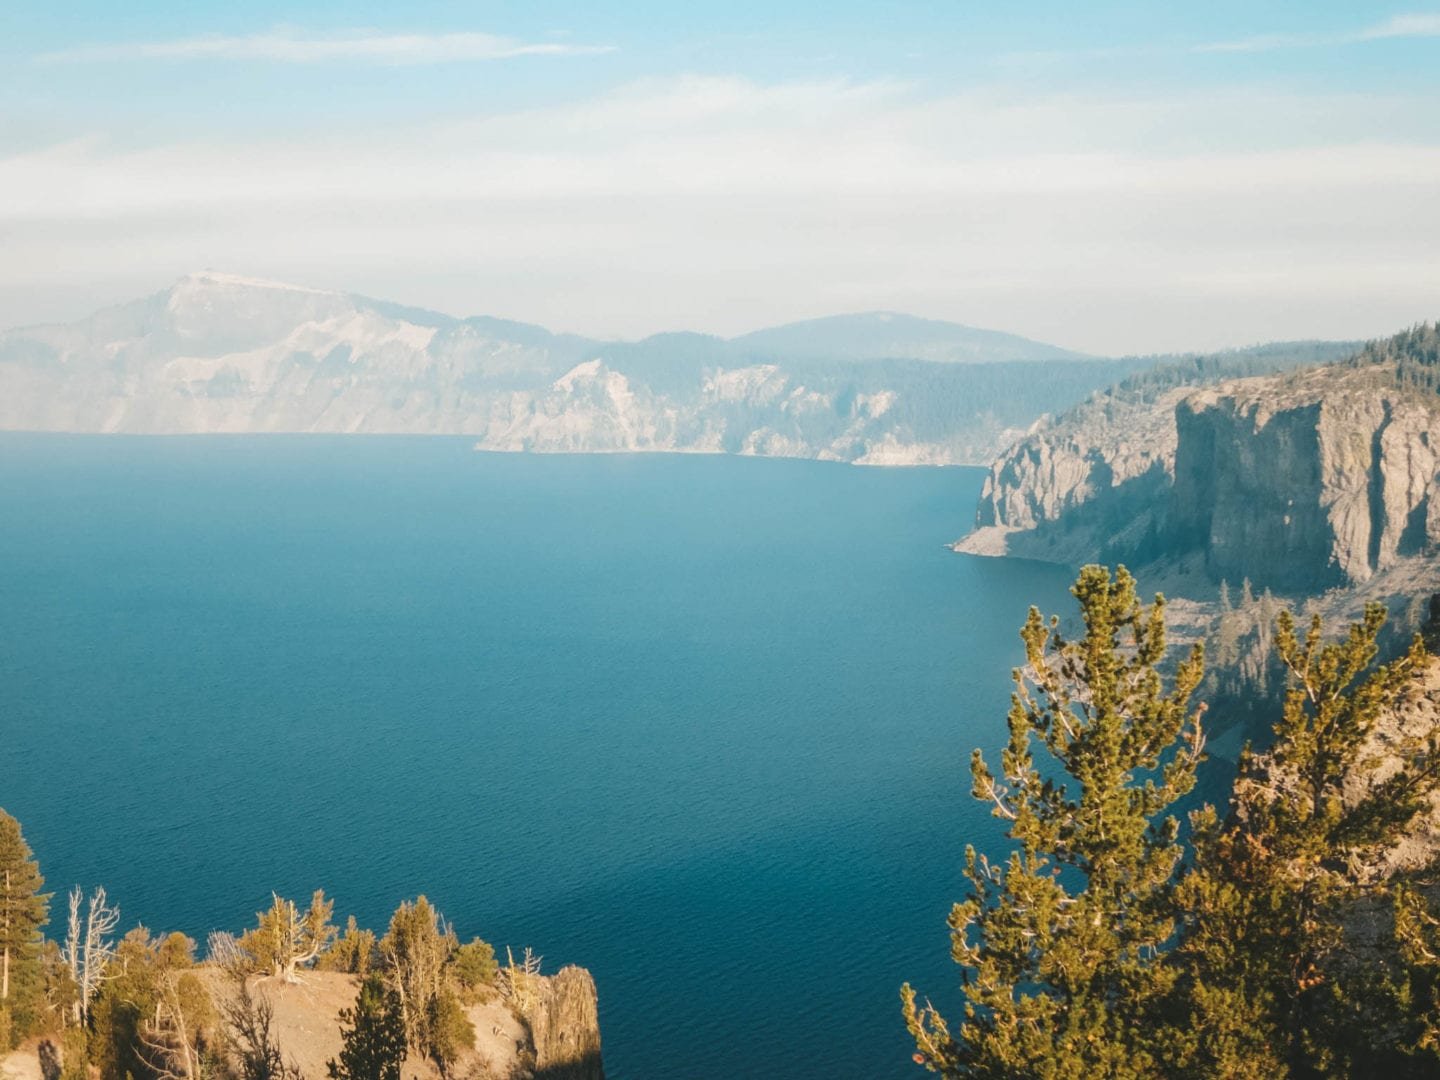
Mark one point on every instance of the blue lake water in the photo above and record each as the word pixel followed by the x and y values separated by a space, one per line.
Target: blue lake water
pixel 698 724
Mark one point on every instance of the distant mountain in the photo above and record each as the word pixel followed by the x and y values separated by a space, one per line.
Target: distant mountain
pixel 885 335
pixel 222 353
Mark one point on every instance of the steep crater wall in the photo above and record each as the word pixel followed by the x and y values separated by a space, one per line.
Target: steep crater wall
pixel 1304 492
pixel 1249 493
pixel 1298 483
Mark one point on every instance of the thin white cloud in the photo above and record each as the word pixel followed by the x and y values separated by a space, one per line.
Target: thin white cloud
pixel 1270 42
pixel 294 47
pixel 1110 224
pixel 1419 25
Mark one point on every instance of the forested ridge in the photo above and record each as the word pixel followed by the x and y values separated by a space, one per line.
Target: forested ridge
pixel 1410 358
pixel 1163 373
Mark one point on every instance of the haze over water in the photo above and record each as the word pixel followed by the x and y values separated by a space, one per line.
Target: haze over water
pixel 698 724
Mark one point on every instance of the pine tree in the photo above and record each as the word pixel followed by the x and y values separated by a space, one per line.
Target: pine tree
pixel 287 938
pixel 131 1007
pixel 474 969
pixel 352 952
pixel 1277 886
pixel 1060 945
pixel 374 1042
pixel 449 1032
pixel 414 953
pixel 24 909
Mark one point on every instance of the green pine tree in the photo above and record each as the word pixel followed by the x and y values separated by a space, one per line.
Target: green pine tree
pixel 414 953
pixel 474 969
pixel 1060 946
pixel 24 909
pixel 374 1040
pixel 449 1032
pixel 1270 981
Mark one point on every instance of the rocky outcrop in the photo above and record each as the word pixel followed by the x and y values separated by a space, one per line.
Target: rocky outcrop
pixel 1069 490
pixel 564 1024
pixel 1317 479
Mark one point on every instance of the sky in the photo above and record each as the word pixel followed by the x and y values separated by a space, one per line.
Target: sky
pixel 1114 177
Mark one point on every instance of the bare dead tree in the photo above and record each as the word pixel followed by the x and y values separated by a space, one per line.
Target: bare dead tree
pixel 223 950
pixel 522 980
pixel 168 1040
pixel 250 1037
pixel 89 947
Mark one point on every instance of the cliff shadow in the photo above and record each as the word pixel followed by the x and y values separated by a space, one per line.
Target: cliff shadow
pixel 587 1067
pixel 1124 522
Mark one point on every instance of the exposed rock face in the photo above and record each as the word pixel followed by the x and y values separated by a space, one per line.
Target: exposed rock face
pixel 1300 487
pixel 1069 490
pixel 1300 483
pixel 218 353
pixel 565 1027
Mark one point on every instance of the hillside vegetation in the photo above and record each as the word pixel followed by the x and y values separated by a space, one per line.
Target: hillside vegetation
pixel 1294 934
pixel 292 998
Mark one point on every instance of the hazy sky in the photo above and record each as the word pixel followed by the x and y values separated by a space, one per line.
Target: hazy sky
pixel 1115 177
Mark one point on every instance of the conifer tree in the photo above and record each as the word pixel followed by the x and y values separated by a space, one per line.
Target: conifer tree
pixel 1060 944
pixel 287 938
pixel 24 909
pixel 374 1041
pixel 449 1032
pixel 149 1007
pixel 352 952
pixel 1278 885
pixel 414 953
pixel 473 968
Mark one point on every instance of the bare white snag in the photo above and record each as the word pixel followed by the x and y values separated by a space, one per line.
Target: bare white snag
pixel 522 980
pixel 89 947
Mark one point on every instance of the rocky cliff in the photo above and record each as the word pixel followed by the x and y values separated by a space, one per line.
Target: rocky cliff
pixel 1305 484
pixel 1322 477
pixel 564 1024
pixel 1070 489
pixel 219 353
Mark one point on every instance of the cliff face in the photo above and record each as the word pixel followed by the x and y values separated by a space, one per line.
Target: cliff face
pixel 564 1024
pixel 1068 491
pixel 1308 487
pixel 1300 483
